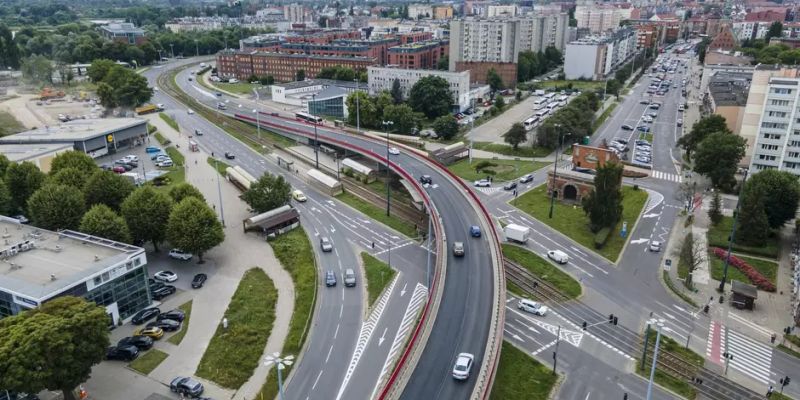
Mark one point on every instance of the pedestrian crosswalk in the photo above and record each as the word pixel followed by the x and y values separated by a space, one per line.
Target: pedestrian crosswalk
pixel 666 176
pixel 749 356
pixel 489 190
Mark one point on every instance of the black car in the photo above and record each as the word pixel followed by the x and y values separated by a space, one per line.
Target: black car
pixel 330 278
pixel 199 280
pixel 186 385
pixel 229 155
pixel 141 342
pixel 164 291
pixel 154 284
pixel 123 353
pixel 165 324
pixel 425 179
pixel 175 315
pixel 510 186
pixel 144 315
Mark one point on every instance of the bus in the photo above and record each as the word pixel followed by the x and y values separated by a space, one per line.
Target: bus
pixel 549 96
pixel 539 104
pixel 530 122
pixel 562 100
pixel 306 117
pixel 552 105
pixel 542 113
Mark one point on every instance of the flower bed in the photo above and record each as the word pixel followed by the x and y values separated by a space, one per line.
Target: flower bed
pixel 755 277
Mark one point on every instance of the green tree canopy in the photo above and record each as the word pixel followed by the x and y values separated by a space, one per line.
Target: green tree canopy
pixel 431 95
pixel 446 126
pixel 98 70
pixel 73 159
pixel 361 106
pixel 753 218
pixel 604 203
pixel 516 135
pixel 52 347
pixel 194 227
pixel 5 199
pixel 56 207
pixel 145 211
pixel 397 92
pixel 701 130
pixel 70 177
pixel 4 163
pixel 718 156
pixel 184 190
pixel 106 187
pixel 494 80
pixel 267 193
pixel 715 212
pixel 22 180
pixel 443 64
pixel 781 191
pixel 403 118
pixel 102 221
pixel 129 88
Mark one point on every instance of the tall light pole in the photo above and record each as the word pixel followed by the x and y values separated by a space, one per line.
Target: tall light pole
pixel 555 172
pixel 258 120
pixel 316 137
pixel 358 108
pixel 730 242
pixel 172 50
pixel 280 364
pixel 471 127
pixel 388 192
pixel 659 325
pixel 196 49
pixel 219 193
pixel 555 352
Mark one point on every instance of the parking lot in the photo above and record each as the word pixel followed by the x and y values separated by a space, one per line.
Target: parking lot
pixel 145 167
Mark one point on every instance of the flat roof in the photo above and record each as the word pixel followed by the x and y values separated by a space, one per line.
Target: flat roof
pixel 322 82
pixel 24 152
pixel 70 256
pixel 74 131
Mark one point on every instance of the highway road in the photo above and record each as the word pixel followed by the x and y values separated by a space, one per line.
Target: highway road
pixel 464 317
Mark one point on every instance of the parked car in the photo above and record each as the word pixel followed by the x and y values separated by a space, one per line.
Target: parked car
pixel 154 333
pixel 330 278
pixel 141 342
pixel 175 315
pixel 187 386
pixel 144 315
pixel 165 324
pixel 526 178
pixel 532 307
pixel 463 366
pixel 325 244
pixel 483 183
pixel 199 280
pixel 123 353
pixel 179 254
pixel 164 291
pixel 475 231
pixel 299 196
pixel 22 219
pixel 349 277
pixel 627 127
pixel 510 186
pixel 458 249
pixel 164 163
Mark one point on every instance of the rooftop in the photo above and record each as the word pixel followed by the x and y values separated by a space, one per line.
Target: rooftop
pixel 730 88
pixel 38 264
pixel 24 152
pixel 122 27
pixel 73 131
pixel 322 82
pixel 426 44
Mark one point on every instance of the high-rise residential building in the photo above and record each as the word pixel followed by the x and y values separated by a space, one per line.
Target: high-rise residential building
pixel 381 79
pixel 294 13
pixel 596 57
pixel 599 18
pixel 420 11
pixel 502 10
pixel 771 123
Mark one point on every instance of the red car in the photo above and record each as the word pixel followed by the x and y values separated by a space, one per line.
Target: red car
pixel 118 169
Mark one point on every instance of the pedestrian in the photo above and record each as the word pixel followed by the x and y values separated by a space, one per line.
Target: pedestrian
pixel 373 245
pixel 769 391
pixel 772 338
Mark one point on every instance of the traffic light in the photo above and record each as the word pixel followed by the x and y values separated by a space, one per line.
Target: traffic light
pixel 785 381
pixel 535 284
pixel 705 308
pixel 615 320
pixel 584 325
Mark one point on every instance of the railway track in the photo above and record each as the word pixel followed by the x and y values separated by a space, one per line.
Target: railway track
pixel 705 382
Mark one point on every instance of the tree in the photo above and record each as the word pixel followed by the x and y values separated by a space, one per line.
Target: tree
pixel 693 254
pixel 73 159
pixel 701 130
pixel 431 96
pixel 500 103
pixel 56 207
pixel 37 68
pixel 300 75
pixel 494 80
pixel 266 80
pixel 604 202
pixel 194 227
pixel 443 64
pixel 781 194
pixel 267 193
pixel 70 177
pixel 613 86
pixel 715 212
pixel 516 135
pixel 9 53
pixel 445 126
pixel 397 92
pixel 22 180
pixel 145 211
pixel 184 190
pixel 6 201
pixel 52 347
pixel 99 69
pixel 129 88
pixel 775 31
pixel 718 156
pixel 382 101
pixel 753 217
pixel 404 119
pixel 103 222
pixel 105 93
pixel 4 163
pixel 106 187
pixel 361 106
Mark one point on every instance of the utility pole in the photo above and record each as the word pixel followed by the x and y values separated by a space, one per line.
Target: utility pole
pixel 555 352
pixel 219 193
pixel 659 324
pixel 428 252
pixel 316 137
pixel 555 172
pixel 471 128
pixel 172 50
pixel 258 120
pixel 388 176
pixel 196 49
pixel 730 241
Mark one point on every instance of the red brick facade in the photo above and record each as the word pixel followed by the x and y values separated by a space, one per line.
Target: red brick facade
pixel 414 37
pixel 283 67
pixel 592 157
pixel 420 55
pixel 478 71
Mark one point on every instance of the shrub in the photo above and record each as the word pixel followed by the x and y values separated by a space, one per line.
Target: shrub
pixel 635 187
pixel 601 237
pixel 759 280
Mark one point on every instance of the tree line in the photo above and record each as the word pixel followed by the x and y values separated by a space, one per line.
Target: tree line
pixel 118 86
pixel 532 64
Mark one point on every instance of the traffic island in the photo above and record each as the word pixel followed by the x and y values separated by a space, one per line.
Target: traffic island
pixel 667 375
pixel 543 269
pixel 499 169
pixel 520 377
pixel 177 338
pixel 378 274
pixel 148 361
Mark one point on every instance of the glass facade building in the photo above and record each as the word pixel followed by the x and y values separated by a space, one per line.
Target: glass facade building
pixel 332 107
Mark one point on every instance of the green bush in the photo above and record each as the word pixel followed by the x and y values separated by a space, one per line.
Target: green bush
pixel 601 237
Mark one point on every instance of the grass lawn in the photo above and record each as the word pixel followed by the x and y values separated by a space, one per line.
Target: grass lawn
pixel 676 290
pixel 177 338
pixel 521 377
pixel 679 386
pixel 378 214
pixel 574 223
pixel 399 193
pixel 148 361
pixel 767 268
pixel 543 269
pixel 378 276
pixel 171 122
pixel 794 339
pixel 580 85
pixel 507 150
pixel 160 138
pixel 718 237
pixel 176 156
pixel 296 256
pixel 505 170
pixel 9 125
pixel 221 166
pixel 239 88
pixel 793 353
pixel 234 353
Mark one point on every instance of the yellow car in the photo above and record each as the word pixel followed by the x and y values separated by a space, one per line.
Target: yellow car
pixel 299 196
pixel 154 332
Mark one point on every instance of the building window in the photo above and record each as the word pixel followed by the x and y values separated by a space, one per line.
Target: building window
pixel 780 114
pixel 773 125
pixel 769 146
pixel 781 91
pixel 779 102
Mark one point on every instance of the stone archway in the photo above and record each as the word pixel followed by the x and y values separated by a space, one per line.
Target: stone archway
pixel 570 192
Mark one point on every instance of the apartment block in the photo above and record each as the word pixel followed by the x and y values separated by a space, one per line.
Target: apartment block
pixel 420 55
pixel 283 67
pixel 381 79
pixel 596 57
pixel 505 10
pixel 771 123
pixel 294 13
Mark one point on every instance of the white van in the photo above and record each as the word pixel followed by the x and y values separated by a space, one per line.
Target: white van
pixel 532 307
pixel 558 256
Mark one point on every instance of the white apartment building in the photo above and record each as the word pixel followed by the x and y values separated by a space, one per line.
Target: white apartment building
pixel 773 101
pixel 597 57
pixel 502 39
pixel 294 13
pixel 597 19
pixel 419 11
pixel 380 79
pixel 496 10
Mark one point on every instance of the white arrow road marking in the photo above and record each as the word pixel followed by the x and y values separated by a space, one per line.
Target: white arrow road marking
pixel 403 290
pixel 383 337
pixel 640 241
pixel 653 215
pixel 333 229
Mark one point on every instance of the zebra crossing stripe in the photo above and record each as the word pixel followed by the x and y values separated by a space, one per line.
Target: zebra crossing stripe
pixel 666 176
pixel 749 357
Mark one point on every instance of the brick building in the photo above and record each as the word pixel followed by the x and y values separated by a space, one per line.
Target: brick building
pixel 592 157
pixel 419 55
pixel 414 37
pixel 283 67
pixel 570 186
pixel 725 40
pixel 479 70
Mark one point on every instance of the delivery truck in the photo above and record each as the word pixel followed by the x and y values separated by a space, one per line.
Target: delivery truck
pixel 147 109
pixel 517 233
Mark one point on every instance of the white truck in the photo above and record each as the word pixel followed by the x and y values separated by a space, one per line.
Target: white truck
pixel 517 233
pixel 135 178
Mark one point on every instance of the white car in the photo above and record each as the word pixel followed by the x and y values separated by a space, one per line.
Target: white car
pixel 166 276
pixel 394 151
pixel 131 157
pixel 655 246
pixel 325 244
pixel 165 163
pixel 483 183
pixel 189 111
pixel 558 256
pixel 298 195
pixel 526 178
pixel 533 307
pixel 463 366
pixel 179 254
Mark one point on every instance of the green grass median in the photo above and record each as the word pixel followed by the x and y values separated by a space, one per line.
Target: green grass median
pixel 718 237
pixel 544 270
pixel 148 361
pixel 520 377
pixel 504 149
pixel 171 122
pixel 667 345
pixel 177 338
pixel 766 268
pixel 378 214
pixel 378 275
pixel 504 170
pixel 233 353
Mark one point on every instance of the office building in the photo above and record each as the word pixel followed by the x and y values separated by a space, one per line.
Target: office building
pixel 381 79
pixel 418 55
pixel 596 57
pixel 282 67
pixel 295 13
pixel 38 265
pixel 123 32
pixel 770 124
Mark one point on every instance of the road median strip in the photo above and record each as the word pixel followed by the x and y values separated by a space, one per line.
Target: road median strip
pixel 148 361
pixel 521 377
pixel 378 275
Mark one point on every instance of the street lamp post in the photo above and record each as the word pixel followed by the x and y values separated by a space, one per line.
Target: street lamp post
pixel 358 108
pixel 316 137
pixel 172 50
pixel 219 193
pixel 428 253
pixel 659 323
pixel 555 352
pixel 280 364
pixel 196 49
pixel 388 192
pixel 730 242
pixel 258 120
pixel 555 172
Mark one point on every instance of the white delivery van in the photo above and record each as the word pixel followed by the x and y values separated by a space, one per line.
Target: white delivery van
pixel 517 233
pixel 558 256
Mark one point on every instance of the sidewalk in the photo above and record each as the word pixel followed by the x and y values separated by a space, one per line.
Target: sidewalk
pixel 236 255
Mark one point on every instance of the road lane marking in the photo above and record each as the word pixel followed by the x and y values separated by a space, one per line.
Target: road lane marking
pixel 316 380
